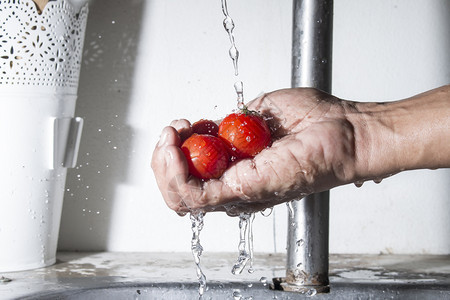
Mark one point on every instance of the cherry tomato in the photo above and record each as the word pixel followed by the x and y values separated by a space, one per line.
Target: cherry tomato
pixel 245 133
pixel 205 127
pixel 207 156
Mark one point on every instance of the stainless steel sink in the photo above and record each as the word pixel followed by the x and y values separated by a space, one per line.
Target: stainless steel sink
pixel 172 276
pixel 255 290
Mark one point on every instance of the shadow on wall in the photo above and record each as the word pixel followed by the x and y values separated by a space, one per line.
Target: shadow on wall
pixel 110 49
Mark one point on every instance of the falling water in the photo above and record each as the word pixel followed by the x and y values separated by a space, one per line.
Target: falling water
pixel 197 249
pixel 239 88
pixel 228 24
pixel 290 208
pixel 245 243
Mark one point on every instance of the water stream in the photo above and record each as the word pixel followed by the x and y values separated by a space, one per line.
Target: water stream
pixel 245 244
pixel 197 249
pixel 228 24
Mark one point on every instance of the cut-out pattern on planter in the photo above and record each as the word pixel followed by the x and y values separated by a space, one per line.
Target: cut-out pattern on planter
pixel 41 49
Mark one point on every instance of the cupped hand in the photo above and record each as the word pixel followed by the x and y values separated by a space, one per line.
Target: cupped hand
pixel 313 150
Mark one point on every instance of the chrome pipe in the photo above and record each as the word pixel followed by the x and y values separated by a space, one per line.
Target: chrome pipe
pixel 312 39
pixel 307 248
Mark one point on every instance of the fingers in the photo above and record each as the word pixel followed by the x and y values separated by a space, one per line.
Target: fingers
pixel 248 185
pixel 180 191
pixel 183 127
pixel 168 160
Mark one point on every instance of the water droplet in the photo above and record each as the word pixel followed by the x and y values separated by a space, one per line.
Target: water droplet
pixel 267 211
pixel 237 295
pixel 263 280
pixel 377 180
pixel 228 24
pixel 311 292
pixel 359 183
pixel 5 279
pixel 234 55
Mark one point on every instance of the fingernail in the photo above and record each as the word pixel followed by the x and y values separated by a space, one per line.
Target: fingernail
pixel 163 139
pixel 173 123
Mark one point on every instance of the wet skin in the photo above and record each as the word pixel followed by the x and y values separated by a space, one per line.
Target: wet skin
pixel 313 150
pixel 319 142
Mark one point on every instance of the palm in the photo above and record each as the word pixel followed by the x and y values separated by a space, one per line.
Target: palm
pixel 313 150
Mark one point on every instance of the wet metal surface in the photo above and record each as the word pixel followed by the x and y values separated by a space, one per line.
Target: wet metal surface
pixel 172 276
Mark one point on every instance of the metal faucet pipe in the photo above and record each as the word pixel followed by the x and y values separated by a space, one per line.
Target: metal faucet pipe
pixel 307 248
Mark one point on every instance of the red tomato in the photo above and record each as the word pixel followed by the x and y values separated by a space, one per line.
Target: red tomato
pixel 205 127
pixel 246 134
pixel 207 156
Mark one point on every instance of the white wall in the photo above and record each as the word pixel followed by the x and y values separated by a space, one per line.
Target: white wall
pixel 148 62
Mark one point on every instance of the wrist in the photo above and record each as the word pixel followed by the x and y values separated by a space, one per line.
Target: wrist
pixel 403 135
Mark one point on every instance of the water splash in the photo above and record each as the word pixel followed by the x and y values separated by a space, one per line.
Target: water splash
pixel 197 249
pixel 228 24
pixel 245 244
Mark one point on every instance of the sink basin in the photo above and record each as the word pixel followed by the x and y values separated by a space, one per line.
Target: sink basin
pixel 106 275
pixel 247 291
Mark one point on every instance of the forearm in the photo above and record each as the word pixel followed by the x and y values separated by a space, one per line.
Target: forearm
pixel 403 135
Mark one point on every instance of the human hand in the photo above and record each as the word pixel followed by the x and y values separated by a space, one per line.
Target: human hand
pixel 313 150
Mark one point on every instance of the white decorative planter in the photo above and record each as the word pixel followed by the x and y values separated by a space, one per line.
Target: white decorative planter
pixel 40 57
